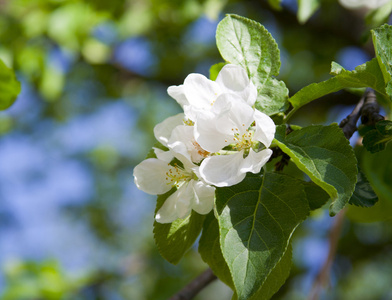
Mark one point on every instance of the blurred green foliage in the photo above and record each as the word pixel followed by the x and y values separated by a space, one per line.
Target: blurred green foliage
pixel 33 32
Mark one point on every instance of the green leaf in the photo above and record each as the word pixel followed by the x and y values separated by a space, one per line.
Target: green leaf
pixel 276 278
pixel 9 86
pixel 210 250
pixel 325 155
pixel 376 139
pixel 256 219
pixel 315 195
pixel 378 170
pixel 174 239
pixel 215 69
pixel 211 253
pixel 306 9
pixel 363 195
pixel 366 75
pixel 248 44
pixel 382 41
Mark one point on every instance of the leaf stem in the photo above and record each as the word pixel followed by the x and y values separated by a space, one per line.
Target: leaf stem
pixel 195 286
pixel 290 114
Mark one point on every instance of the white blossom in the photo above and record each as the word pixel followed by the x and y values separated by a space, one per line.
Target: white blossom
pixel 177 134
pixel 237 127
pixel 155 176
pixel 218 139
pixel 199 93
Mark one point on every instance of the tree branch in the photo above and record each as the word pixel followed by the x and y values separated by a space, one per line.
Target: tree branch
pixel 324 274
pixel 367 109
pixel 195 286
pixel 349 124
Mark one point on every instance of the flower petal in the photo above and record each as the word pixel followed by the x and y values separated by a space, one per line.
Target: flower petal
pixel 205 196
pixel 183 142
pixel 239 114
pixel 212 132
pixel 165 156
pixel 233 78
pixel 200 91
pixel 163 130
pixel 255 161
pixel 177 93
pixel 150 176
pixel 167 213
pixel 222 170
pixel 177 205
pixel 265 128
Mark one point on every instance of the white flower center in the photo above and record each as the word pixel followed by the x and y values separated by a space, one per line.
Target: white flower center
pixel 176 176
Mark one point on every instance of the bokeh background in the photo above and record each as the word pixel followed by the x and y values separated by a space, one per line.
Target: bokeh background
pixel 94 76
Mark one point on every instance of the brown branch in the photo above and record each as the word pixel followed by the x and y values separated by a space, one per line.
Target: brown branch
pixel 349 124
pixel 195 286
pixel 371 109
pixel 367 109
pixel 324 274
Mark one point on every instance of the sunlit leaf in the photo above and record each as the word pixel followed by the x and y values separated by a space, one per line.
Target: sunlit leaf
pixel 325 155
pixel 382 41
pixel 276 278
pixel 256 220
pixel 366 75
pixel 247 43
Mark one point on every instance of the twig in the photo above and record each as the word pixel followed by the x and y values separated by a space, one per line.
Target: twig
pixel 195 286
pixel 367 109
pixel 324 274
pixel 349 124
pixel 370 110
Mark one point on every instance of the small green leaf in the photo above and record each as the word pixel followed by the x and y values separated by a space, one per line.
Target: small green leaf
pixel 210 250
pixel 363 195
pixel 366 75
pixel 9 86
pixel 325 155
pixel 248 44
pixel 382 41
pixel 306 9
pixel 376 139
pixel 174 239
pixel 215 69
pixel 256 219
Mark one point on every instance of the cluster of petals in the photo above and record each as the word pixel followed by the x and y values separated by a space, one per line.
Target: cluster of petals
pixel 218 139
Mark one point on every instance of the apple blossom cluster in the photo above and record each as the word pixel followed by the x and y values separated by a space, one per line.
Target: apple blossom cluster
pixel 218 138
